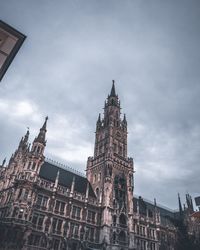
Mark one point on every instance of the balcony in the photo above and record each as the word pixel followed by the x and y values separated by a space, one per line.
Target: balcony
pixel 29 247
pixel 16 221
pixel 58 232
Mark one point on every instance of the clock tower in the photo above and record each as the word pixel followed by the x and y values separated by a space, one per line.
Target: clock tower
pixel 110 172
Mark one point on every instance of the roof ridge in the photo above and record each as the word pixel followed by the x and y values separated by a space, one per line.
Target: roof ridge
pixel 65 167
pixel 158 204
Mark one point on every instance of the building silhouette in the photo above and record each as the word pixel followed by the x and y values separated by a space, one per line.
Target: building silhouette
pixel 46 205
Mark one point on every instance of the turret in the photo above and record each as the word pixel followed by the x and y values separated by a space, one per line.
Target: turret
pixel 35 157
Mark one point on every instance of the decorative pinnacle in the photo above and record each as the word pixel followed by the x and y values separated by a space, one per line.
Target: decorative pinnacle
pixel 179 203
pixel 124 120
pixel 99 118
pixel 4 161
pixel 27 135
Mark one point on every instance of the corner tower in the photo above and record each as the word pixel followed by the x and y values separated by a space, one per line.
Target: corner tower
pixel 110 172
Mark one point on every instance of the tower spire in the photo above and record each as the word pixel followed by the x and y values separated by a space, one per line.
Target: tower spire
pixel 41 136
pixel 112 92
pixel 26 136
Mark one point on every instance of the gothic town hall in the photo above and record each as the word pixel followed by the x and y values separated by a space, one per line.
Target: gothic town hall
pixel 45 205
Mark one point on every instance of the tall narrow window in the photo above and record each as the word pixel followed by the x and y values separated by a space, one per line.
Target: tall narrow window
pixel 91 216
pixel 76 212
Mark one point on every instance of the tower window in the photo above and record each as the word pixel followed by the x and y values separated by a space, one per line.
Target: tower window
pixel 99 176
pixel 114 219
pixel 100 149
pixel 120 150
pixel 122 220
pixel 97 193
pixel 33 166
pixel 114 237
pixel 29 164
pixel 115 147
pixel 122 238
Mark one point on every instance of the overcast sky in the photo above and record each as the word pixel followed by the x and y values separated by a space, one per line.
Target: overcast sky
pixel 65 69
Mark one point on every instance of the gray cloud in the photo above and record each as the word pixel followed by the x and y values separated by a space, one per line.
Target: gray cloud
pixel 72 52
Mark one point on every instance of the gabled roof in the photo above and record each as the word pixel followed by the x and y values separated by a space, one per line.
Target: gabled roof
pixel 49 172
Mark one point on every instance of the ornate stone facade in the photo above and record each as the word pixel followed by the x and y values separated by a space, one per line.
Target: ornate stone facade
pixel 45 205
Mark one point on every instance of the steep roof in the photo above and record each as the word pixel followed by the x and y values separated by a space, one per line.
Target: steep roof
pixel 49 172
pixel 196 214
pixel 166 214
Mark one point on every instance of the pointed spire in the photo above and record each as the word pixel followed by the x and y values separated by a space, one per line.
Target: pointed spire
pixel 41 136
pixel 3 162
pixel 112 92
pixel 44 127
pixel 155 204
pixel 189 202
pixel 180 205
pixel 23 141
pixel 99 122
pixel 124 120
pixel 99 118
pixel 26 136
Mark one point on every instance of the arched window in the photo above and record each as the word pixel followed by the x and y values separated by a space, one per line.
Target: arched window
pixel 114 238
pixel 120 191
pixel 97 193
pixel 95 178
pixel 114 220
pixel 122 238
pixel 122 220
pixel 29 164
pixel 33 166
pixel 99 176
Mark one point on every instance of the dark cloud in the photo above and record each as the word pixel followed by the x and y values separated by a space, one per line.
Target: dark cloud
pixel 72 52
